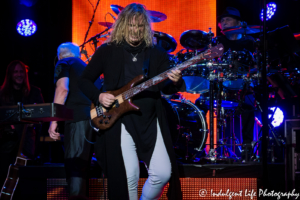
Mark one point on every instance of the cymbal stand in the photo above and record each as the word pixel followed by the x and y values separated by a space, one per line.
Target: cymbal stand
pixel 212 153
pixel 220 125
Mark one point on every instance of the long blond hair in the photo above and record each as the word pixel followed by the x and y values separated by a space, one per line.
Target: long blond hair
pixel 120 27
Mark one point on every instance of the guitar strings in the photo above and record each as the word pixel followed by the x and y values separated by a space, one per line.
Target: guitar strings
pixel 129 93
pixel 163 74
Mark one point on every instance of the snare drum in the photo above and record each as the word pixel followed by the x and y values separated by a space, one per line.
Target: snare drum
pixel 187 125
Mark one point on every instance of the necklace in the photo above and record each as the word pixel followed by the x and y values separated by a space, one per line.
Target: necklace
pixel 134 59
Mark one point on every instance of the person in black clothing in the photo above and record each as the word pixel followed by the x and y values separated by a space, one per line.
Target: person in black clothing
pixel 142 135
pixel 78 149
pixel 238 42
pixel 16 88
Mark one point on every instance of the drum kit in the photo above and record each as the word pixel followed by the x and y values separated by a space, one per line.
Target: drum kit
pixel 222 84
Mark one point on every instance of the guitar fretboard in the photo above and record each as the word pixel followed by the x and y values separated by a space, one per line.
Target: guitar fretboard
pixel 161 77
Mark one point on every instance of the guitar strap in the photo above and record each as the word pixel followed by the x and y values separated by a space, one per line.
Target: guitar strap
pixel 146 63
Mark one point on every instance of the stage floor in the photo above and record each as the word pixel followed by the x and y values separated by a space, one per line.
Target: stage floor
pixel 49 179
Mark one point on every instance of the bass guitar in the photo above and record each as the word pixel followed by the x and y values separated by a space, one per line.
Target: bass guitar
pixel 103 118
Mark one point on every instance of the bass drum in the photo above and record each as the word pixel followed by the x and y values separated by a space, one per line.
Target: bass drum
pixel 187 126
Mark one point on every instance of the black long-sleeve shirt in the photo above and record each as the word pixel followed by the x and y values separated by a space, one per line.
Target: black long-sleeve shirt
pixel 118 68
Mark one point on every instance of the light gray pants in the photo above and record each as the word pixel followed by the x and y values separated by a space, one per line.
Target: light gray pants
pixel 159 170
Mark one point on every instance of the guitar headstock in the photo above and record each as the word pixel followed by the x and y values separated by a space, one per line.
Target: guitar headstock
pixel 214 51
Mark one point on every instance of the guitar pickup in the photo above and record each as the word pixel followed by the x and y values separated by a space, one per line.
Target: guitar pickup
pixel 99 111
pixel 117 103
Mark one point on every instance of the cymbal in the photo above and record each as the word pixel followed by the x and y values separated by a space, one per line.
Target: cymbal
pixel 251 29
pixel 166 41
pixel 106 24
pixel 157 16
pixel 154 15
pixel 117 9
pixel 194 39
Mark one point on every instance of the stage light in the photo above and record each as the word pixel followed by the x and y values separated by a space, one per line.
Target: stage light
pixel 28 3
pixel 277 117
pixel 26 27
pixel 277 120
pixel 271 8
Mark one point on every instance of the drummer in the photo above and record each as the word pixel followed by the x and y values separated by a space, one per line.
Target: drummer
pixel 237 42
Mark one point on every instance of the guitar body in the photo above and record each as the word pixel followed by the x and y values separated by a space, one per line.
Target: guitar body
pixel 12 179
pixel 116 111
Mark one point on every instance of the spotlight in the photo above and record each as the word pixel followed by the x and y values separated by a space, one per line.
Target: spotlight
pixel 277 117
pixel 26 27
pixel 271 8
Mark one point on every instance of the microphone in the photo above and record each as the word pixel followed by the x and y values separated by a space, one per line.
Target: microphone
pixel 112 16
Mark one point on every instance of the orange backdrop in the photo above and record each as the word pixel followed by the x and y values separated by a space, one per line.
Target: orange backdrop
pixel 182 15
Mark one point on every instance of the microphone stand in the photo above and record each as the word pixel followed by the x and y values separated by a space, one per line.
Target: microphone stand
pixel 87 32
pixel 93 38
pixel 264 103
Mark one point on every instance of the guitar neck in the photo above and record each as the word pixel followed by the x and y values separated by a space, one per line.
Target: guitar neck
pixel 22 140
pixel 161 77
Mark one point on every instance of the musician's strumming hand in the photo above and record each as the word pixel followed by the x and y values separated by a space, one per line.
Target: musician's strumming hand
pixel 52 131
pixel 175 76
pixel 106 99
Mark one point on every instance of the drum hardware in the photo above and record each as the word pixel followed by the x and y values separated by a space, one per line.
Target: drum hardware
pixel 226 152
pixel 234 141
pixel 212 154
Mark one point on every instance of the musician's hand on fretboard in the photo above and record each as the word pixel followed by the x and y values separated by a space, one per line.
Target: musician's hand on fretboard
pixel 106 99
pixel 175 76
